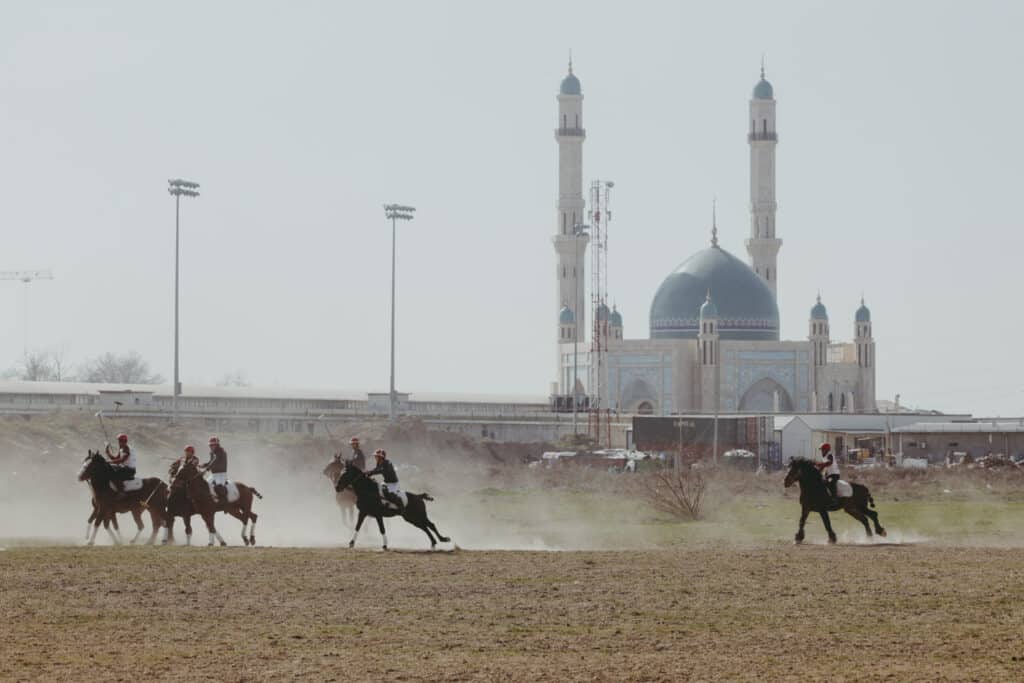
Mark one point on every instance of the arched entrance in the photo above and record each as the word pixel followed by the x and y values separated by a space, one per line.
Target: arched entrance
pixel 645 408
pixel 760 397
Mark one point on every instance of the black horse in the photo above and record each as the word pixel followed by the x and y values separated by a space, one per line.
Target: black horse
pixel 814 497
pixel 178 505
pixel 369 504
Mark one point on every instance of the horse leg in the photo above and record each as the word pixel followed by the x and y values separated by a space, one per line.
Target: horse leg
pixel 426 530
pixel 240 515
pixel 828 526
pixel 359 524
pixel 252 527
pixel 95 528
pixel 116 538
pixel 874 518
pixel 137 516
pixel 799 538
pixel 214 534
pixel 188 528
pixel 442 539
pixel 157 520
pixel 860 517
pixel 169 531
pixel 383 533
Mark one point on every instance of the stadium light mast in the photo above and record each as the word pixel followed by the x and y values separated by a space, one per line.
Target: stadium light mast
pixel 178 188
pixel 394 212
pixel 26 276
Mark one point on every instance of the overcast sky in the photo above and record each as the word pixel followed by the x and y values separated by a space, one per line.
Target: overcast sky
pixel 899 176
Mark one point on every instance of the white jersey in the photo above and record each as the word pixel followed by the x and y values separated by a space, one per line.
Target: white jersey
pixel 831 469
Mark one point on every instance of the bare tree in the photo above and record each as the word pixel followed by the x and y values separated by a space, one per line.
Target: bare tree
pixel 234 379
pixel 112 368
pixel 679 492
pixel 37 366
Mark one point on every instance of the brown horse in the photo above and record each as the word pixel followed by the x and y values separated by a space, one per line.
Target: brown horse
pixel 346 499
pixel 152 496
pixel 136 514
pixel 190 480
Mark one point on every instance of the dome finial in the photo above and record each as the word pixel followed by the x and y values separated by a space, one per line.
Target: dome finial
pixel 570 61
pixel 819 296
pixel 714 224
pixel 762 66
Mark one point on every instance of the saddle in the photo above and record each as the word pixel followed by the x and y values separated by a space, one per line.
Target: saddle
pixel 129 485
pixel 387 503
pixel 232 488
pixel 844 489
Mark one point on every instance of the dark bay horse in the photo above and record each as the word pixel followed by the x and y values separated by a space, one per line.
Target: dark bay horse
pixel 814 497
pixel 346 499
pixel 369 503
pixel 136 515
pixel 152 496
pixel 190 480
pixel 178 505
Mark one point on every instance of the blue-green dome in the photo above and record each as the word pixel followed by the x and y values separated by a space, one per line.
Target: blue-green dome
pixel 763 90
pixel 863 314
pixel 566 316
pixel 603 312
pixel 819 312
pixel 708 309
pixel 570 85
pixel 615 318
pixel 746 307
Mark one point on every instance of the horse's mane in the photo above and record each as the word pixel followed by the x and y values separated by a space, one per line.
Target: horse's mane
pixel 801 459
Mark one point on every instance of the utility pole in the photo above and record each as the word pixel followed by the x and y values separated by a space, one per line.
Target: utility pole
pixel 178 188
pixel 26 276
pixel 395 212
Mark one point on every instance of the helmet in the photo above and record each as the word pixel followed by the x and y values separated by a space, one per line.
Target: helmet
pixel 380 453
pixel 354 441
pixel 189 450
pixel 122 437
pixel 824 448
pixel 214 441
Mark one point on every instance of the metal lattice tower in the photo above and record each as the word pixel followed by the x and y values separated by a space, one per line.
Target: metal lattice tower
pixel 600 215
pixel 26 276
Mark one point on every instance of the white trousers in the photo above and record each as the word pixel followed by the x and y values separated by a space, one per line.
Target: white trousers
pixel 219 478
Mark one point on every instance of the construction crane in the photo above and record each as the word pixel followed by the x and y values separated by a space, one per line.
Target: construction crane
pixel 26 276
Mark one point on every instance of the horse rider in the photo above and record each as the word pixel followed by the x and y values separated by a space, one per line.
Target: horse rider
pixel 358 459
pixel 391 491
pixel 829 469
pixel 218 469
pixel 188 458
pixel 122 463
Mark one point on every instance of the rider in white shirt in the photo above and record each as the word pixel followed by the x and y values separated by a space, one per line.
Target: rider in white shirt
pixel 829 468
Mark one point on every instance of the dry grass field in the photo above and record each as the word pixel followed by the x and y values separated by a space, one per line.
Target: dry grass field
pixel 758 612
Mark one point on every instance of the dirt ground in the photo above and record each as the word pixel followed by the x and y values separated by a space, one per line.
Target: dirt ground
pixel 768 612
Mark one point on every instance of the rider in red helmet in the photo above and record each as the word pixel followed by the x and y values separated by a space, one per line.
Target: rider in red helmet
pixel 218 468
pixel 123 462
pixel 829 469
pixel 358 459
pixel 187 458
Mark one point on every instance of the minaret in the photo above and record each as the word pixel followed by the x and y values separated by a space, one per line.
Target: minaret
pixel 570 240
pixel 818 336
pixel 865 357
pixel 763 246
pixel 707 350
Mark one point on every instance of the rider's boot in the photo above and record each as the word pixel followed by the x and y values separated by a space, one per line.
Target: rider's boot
pixel 222 493
pixel 396 500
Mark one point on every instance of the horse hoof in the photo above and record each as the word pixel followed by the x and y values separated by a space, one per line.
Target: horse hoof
pixel 882 533
pixel 223 544
pixel 351 544
pixel 445 539
pixel 209 545
pixel 252 540
pixel 385 548
pixel 831 540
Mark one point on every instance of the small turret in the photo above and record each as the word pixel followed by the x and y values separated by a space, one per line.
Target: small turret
pixel 615 323
pixel 566 325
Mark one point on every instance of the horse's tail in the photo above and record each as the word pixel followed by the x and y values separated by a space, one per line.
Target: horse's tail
pixel 256 493
pixel 871 501
pixel 426 496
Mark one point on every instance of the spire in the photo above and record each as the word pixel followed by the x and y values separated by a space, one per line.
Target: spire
pixel 570 63
pixel 819 296
pixel 762 66
pixel 714 228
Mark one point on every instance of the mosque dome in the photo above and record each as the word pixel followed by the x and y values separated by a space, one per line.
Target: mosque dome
pixel 762 91
pixel 615 318
pixel 566 316
pixel 863 314
pixel 571 84
pixel 818 312
pixel 708 308
pixel 746 306
pixel 603 312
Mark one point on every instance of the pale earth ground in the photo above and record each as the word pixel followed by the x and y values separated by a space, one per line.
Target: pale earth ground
pixel 597 585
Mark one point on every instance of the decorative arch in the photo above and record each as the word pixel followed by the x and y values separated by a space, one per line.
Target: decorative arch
pixel 638 396
pixel 645 408
pixel 760 397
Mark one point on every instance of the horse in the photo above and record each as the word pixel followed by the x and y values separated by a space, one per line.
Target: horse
pixel 369 504
pixel 178 505
pixel 108 502
pixel 814 497
pixel 136 514
pixel 190 480
pixel 346 499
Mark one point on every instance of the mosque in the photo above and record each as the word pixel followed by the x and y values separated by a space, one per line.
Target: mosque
pixel 713 343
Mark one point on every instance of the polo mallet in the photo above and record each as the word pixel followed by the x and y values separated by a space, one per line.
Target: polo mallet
pixel 103 426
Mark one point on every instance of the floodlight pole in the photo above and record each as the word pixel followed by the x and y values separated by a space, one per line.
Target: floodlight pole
pixel 178 187
pixel 395 212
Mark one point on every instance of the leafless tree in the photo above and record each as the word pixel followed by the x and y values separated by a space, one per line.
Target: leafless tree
pixel 679 492
pixel 38 366
pixel 234 379
pixel 112 368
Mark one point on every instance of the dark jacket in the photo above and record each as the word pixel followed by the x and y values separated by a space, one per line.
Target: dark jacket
pixel 387 469
pixel 218 460
pixel 358 459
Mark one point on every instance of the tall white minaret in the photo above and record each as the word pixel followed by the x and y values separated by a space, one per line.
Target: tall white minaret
pixel 570 243
pixel 763 245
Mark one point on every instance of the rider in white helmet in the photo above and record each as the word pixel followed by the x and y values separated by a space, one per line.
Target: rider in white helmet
pixel 384 467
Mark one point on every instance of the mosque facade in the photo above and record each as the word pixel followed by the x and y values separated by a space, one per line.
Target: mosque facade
pixel 713 341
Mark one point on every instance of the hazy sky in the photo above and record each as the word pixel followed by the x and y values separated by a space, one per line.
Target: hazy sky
pixel 899 176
